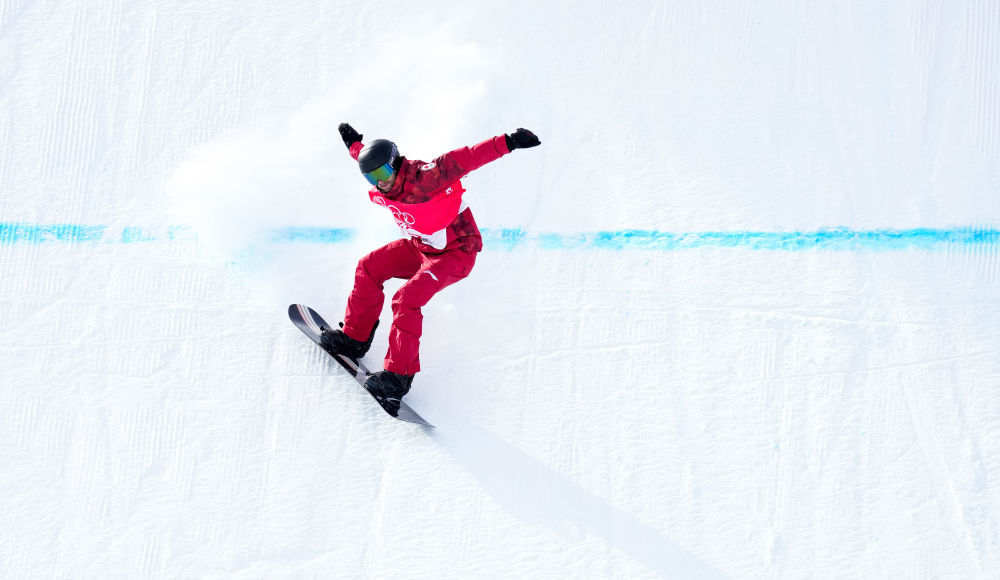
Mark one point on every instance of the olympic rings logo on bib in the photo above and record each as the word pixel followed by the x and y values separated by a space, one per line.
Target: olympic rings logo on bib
pixel 425 217
pixel 403 219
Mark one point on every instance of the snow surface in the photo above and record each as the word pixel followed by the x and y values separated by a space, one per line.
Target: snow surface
pixel 603 410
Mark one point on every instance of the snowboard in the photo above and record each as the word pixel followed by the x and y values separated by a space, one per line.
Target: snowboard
pixel 312 324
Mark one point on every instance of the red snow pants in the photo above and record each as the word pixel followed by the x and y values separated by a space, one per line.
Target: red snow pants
pixel 425 275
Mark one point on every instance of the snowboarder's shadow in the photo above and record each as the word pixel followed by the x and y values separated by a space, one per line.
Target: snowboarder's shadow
pixel 536 494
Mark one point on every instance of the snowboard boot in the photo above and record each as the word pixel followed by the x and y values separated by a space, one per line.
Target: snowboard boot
pixel 336 342
pixel 388 388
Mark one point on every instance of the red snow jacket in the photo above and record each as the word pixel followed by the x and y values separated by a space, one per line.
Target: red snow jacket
pixel 427 195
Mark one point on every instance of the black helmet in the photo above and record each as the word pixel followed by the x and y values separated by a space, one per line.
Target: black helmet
pixel 378 153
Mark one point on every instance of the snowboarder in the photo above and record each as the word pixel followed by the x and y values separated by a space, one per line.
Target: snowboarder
pixel 440 247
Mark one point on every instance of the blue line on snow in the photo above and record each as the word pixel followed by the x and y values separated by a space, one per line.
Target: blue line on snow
pixel 312 235
pixel 831 239
pixel 844 239
pixel 15 233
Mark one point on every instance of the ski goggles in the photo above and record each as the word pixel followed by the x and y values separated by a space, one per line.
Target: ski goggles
pixel 380 173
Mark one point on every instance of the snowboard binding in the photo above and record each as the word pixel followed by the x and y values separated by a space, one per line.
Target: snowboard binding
pixel 336 342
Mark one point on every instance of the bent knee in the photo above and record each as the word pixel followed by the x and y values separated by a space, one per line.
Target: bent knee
pixel 412 295
pixel 370 268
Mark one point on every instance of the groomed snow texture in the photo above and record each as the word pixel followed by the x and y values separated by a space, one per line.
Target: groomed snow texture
pixel 738 316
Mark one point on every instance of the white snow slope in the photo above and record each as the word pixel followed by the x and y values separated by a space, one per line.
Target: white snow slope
pixel 737 316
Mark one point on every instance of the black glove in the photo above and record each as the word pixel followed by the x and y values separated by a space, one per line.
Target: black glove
pixel 349 135
pixel 521 139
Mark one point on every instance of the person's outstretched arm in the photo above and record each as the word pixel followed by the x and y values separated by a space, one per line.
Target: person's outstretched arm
pixel 352 139
pixel 468 159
